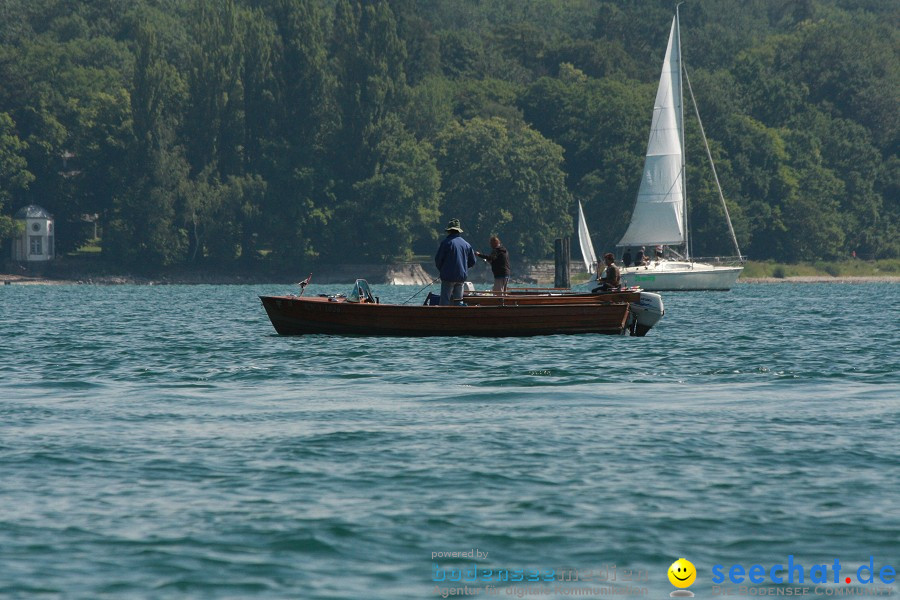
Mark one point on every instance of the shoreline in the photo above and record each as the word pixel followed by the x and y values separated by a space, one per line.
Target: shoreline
pixel 824 279
pixel 12 279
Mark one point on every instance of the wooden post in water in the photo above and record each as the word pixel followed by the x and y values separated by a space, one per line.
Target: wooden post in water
pixel 561 276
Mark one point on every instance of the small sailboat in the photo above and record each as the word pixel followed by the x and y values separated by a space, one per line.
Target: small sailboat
pixel 584 240
pixel 660 216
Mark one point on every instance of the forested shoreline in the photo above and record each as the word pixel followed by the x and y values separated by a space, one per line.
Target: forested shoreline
pixel 230 133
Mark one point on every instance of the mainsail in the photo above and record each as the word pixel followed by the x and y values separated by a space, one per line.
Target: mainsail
pixel 584 240
pixel 658 216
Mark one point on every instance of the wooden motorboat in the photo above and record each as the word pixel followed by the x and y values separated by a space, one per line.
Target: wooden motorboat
pixel 360 313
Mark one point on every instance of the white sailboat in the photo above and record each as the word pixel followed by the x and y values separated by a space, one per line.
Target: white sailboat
pixel 660 213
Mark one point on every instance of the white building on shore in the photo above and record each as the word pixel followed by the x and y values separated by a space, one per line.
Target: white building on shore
pixel 34 241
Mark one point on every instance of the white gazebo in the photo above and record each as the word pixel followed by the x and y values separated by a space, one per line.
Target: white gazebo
pixel 34 241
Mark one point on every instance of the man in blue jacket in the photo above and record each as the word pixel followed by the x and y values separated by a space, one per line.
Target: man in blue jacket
pixel 454 258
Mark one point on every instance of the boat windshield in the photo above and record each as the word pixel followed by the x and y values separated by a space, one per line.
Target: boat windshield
pixel 361 292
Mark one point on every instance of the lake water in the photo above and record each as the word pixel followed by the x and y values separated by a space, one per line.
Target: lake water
pixel 164 442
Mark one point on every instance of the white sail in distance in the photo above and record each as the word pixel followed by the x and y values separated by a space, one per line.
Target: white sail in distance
pixel 584 240
pixel 658 216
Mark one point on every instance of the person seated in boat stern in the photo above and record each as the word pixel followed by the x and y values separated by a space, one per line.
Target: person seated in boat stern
pixel 658 252
pixel 609 277
pixel 626 258
pixel 499 259
pixel 454 258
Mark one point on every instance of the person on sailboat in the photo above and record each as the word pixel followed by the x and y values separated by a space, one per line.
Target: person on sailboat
pixel 609 278
pixel 499 259
pixel 454 258
pixel 626 258
pixel 641 259
pixel 658 252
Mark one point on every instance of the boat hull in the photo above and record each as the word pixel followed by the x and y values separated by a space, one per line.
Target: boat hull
pixel 300 316
pixel 681 276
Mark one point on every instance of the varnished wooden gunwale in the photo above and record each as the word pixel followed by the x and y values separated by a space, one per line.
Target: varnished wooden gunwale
pixel 520 298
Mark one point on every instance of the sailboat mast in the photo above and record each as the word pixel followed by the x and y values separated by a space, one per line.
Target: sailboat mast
pixel 684 208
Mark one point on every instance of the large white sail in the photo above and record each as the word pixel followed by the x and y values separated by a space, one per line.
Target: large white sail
pixel 658 216
pixel 584 240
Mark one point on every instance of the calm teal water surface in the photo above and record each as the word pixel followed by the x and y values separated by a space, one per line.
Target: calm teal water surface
pixel 164 442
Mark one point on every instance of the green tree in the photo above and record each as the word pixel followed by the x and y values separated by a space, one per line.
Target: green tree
pixel 430 108
pixel 709 233
pixel 423 56
pixel 143 232
pixel 852 69
pixel 261 121
pixel 298 204
pixel 368 58
pixel 847 151
pixel 14 174
pixel 505 180
pixel 524 43
pixel 602 126
pixel 214 121
pixel 884 237
pixel 401 200
pixel 462 53
pixel 219 216
pixel 768 93
pixel 486 98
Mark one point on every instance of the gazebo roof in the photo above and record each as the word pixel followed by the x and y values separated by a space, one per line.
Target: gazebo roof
pixel 32 211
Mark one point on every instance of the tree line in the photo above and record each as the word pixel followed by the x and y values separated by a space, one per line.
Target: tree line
pixel 234 132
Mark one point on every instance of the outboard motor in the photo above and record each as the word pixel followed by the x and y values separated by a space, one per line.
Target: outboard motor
pixel 646 313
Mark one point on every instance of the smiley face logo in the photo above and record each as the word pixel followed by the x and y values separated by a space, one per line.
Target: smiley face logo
pixel 682 573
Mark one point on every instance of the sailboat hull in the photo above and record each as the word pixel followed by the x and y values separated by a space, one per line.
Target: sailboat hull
pixel 673 276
